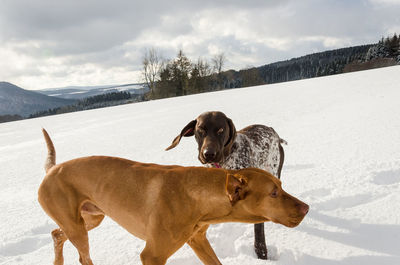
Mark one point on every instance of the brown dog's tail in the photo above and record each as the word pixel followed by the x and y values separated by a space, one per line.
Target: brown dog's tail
pixel 51 152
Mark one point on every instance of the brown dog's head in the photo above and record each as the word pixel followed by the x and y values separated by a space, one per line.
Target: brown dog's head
pixel 258 195
pixel 214 133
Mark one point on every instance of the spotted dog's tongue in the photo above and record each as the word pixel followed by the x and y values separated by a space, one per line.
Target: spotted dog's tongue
pixel 216 165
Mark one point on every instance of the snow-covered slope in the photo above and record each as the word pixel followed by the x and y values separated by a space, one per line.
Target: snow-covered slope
pixel 343 159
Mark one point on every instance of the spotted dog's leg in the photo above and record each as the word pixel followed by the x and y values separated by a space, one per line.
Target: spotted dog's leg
pixel 257 146
pixel 260 247
pixel 274 166
pixel 281 160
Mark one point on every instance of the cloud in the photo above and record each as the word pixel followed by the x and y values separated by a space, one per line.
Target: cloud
pixel 385 2
pixel 44 43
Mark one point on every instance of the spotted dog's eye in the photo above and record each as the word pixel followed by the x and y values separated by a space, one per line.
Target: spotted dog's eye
pixel 220 131
pixel 201 131
pixel 274 193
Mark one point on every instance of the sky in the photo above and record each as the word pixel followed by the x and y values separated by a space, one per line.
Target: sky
pixel 50 43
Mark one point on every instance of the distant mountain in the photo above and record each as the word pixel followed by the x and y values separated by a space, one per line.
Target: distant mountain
pixel 80 92
pixel 15 100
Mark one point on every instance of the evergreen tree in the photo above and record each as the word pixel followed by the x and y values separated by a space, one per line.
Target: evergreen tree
pixel 180 69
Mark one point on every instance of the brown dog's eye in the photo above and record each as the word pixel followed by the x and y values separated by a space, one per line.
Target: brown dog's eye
pixel 274 193
pixel 220 131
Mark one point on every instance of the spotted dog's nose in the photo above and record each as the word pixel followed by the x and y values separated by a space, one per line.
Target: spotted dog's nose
pixel 209 154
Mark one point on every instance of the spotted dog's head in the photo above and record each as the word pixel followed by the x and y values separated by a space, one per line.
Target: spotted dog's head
pixel 214 133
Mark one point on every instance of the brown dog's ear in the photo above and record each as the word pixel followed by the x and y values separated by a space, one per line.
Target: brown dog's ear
pixel 187 131
pixel 236 187
pixel 231 139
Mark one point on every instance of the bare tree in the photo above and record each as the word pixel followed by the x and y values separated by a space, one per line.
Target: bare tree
pixel 199 76
pixel 152 64
pixel 204 67
pixel 218 62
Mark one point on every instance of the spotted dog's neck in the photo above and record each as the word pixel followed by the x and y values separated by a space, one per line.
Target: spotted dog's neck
pixel 255 146
pixel 239 155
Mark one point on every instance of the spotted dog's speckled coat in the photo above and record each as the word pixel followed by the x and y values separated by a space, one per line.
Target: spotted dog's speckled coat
pixel 256 146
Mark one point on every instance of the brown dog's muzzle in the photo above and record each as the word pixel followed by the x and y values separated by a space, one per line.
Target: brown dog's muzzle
pixel 301 210
pixel 288 211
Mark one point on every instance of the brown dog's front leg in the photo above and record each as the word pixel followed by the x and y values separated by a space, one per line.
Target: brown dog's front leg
pixel 259 241
pixel 200 245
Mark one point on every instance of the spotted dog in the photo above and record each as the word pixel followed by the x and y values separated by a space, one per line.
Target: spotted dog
pixel 220 145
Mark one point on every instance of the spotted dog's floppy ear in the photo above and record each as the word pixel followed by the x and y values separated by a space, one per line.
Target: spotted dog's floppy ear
pixel 231 139
pixel 236 187
pixel 187 131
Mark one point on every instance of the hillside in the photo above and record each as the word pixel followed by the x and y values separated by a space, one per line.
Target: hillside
pixel 343 159
pixel 15 100
pixel 312 65
pixel 357 58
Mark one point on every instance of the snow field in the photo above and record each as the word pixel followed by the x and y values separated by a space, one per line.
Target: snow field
pixel 343 159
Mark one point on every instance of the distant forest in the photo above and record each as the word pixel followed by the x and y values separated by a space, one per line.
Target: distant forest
pixel 99 101
pixel 6 118
pixel 313 65
pixel 180 76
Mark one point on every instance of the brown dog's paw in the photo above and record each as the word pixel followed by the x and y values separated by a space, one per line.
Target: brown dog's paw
pixel 58 237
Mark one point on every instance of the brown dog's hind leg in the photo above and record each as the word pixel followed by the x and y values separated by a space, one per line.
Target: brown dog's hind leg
pixel 200 245
pixel 260 247
pixel 78 235
pixel 59 237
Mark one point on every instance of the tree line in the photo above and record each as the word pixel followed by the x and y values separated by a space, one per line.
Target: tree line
pixel 391 44
pixel 385 53
pixel 94 102
pixel 180 76
pixel 7 118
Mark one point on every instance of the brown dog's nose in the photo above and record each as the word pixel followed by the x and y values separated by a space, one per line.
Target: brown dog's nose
pixel 303 208
pixel 209 154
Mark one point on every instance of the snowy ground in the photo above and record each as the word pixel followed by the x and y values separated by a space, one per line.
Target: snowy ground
pixel 343 159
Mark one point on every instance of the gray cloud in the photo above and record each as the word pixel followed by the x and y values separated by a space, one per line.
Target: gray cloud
pixel 53 43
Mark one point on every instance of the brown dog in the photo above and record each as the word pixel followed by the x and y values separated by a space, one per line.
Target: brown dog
pixel 167 206
pixel 220 145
